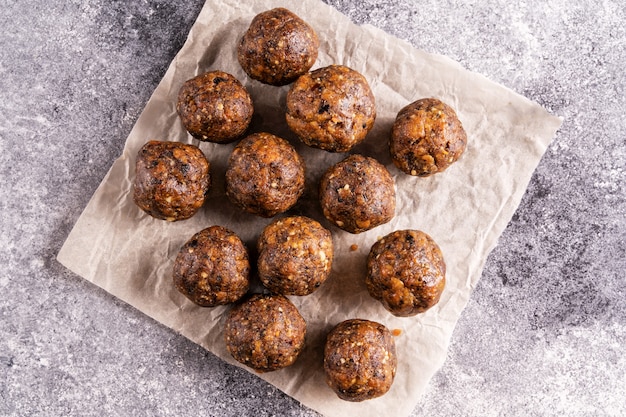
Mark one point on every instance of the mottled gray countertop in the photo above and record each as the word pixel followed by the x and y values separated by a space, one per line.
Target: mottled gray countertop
pixel 544 332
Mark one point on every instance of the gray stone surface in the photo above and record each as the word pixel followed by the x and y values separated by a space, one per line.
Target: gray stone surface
pixel 544 331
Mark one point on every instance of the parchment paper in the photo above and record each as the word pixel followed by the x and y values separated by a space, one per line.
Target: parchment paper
pixel 465 208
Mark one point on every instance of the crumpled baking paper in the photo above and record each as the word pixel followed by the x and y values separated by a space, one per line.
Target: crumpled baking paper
pixel 465 208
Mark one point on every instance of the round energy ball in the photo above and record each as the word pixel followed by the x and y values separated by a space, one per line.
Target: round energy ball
pixel 171 181
pixel 331 108
pixel 357 194
pixel 215 107
pixel 406 272
pixel 265 175
pixel 278 47
pixel 295 255
pixel 360 360
pixel 212 268
pixel 265 332
pixel 426 138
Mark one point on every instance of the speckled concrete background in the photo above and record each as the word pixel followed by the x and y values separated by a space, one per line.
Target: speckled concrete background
pixel 545 330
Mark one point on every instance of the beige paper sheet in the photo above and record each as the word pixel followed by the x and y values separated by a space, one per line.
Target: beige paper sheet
pixel 130 255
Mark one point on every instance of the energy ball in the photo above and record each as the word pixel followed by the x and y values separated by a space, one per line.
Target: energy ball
pixel 426 138
pixel 278 47
pixel 357 194
pixel 215 107
pixel 265 332
pixel 295 255
pixel 406 272
pixel 360 360
pixel 171 181
pixel 331 108
pixel 212 268
pixel 265 175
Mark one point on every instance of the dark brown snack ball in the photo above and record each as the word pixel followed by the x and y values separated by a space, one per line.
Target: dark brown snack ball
pixel 295 255
pixel 212 268
pixel 332 108
pixel 171 181
pixel 215 107
pixel 265 175
pixel 357 194
pixel 426 138
pixel 406 272
pixel 360 360
pixel 278 47
pixel 265 332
